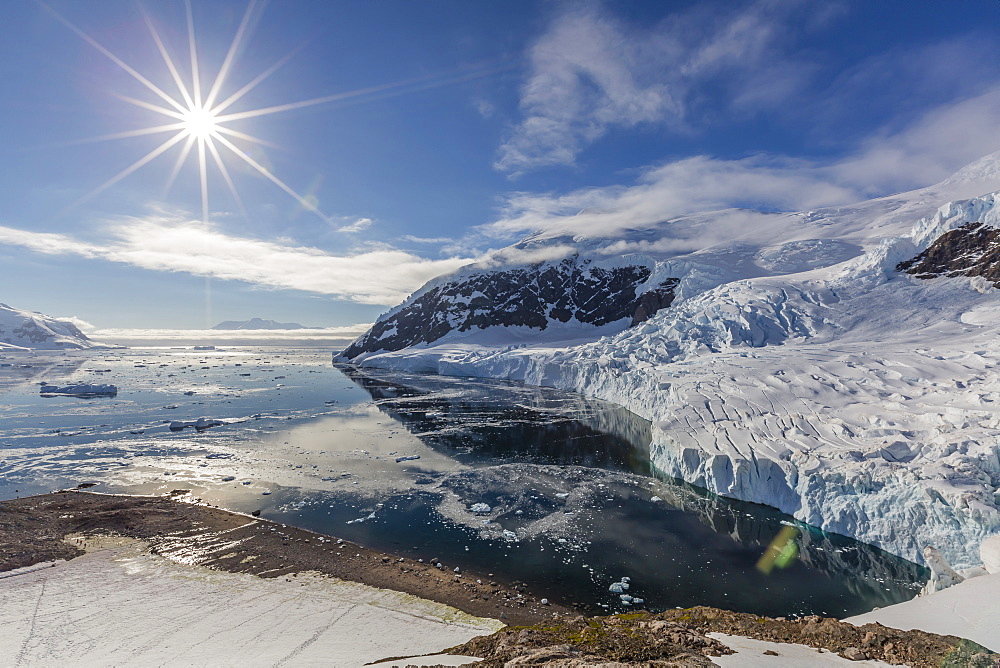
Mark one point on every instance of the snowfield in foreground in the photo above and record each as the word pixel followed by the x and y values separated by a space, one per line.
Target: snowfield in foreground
pixel 122 606
pixel 840 365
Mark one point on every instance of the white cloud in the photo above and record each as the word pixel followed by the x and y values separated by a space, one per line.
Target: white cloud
pixel 591 72
pixel 928 150
pixel 163 242
pixel 79 323
pixel 426 240
pixel 357 225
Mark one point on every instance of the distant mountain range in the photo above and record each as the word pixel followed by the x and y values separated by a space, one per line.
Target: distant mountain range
pixel 29 330
pixel 259 323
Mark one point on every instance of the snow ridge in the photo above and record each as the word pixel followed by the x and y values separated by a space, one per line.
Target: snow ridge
pixel 26 330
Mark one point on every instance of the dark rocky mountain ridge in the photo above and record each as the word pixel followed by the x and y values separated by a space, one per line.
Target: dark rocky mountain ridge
pixel 533 296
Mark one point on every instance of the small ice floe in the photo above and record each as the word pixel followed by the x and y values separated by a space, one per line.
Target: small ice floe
pixel 655 499
pixel 200 424
pixel 509 535
pixel 81 390
pixel 480 508
pixel 619 587
pixel 407 458
pixel 562 495
pixel 625 598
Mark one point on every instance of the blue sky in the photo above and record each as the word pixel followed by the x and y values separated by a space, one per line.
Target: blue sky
pixel 445 129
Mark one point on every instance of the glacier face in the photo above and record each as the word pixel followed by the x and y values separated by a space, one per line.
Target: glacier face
pixel 799 368
pixel 26 330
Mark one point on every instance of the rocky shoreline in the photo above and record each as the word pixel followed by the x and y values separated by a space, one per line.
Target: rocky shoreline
pixel 32 530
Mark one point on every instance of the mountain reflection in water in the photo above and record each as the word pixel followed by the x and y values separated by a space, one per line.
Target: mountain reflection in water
pixel 575 505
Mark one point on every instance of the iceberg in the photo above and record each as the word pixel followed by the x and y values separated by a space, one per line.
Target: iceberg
pixel 83 390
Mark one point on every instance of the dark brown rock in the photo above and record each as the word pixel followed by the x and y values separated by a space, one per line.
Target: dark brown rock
pixel 970 250
pixel 533 297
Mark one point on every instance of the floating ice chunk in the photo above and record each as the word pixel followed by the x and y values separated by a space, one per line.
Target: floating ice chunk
pixel 480 508
pixel 562 495
pixel 618 587
pixel 942 574
pixel 79 390
pixel 989 552
pixel 509 535
pixel 407 458
pixel 655 499
pixel 625 598
pixel 200 425
pixel 638 601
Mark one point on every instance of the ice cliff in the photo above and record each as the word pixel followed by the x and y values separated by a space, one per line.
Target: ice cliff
pixel 839 364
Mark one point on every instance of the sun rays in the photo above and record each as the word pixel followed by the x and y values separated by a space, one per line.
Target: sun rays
pixel 197 124
pixel 200 128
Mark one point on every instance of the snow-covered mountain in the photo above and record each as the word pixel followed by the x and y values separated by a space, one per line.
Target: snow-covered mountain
pixel 839 364
pixel 258 323
pixel 27 330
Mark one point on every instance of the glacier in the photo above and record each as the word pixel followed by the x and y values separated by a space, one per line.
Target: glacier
pixel 798 365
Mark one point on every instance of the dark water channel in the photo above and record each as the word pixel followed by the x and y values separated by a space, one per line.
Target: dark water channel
pixel 575 505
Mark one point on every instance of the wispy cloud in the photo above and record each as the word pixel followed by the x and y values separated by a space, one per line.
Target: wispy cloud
pixel 426 240
pixel 357 226
pixel 926 151
pixel 164 242
pixel 591 72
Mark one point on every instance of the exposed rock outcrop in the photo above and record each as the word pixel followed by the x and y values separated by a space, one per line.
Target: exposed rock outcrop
pixel 970 250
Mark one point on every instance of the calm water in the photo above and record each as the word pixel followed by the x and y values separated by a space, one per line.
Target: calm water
pixel 568 480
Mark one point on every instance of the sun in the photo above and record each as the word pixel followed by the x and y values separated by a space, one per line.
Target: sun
pixel 200 123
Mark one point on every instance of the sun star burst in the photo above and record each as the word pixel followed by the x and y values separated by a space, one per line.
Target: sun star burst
pixel 199 126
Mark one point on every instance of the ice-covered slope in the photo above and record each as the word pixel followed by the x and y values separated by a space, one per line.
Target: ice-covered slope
pixel 800 364
pixel 24 330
